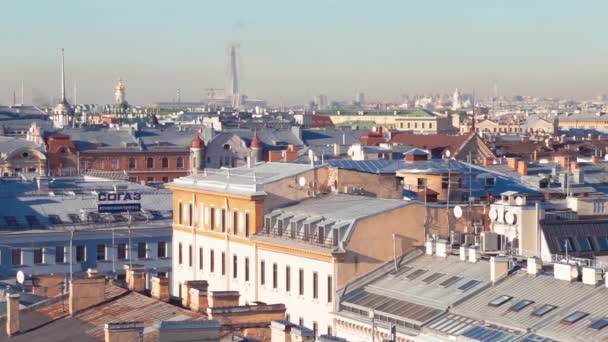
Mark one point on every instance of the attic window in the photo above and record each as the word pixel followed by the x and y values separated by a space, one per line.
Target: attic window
pixel 599 324
pixel 575 317
pixel 227 147
pixel 541 311
pixel 521 305
pixel 25 154
pixel 500 301
pixel 490 181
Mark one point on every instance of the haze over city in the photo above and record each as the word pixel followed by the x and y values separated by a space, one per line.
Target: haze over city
pixel 291 51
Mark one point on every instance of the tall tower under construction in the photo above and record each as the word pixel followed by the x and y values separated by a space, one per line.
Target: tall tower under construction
pixel 233 75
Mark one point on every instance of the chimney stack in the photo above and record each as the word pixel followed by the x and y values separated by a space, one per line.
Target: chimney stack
pixel 218 299
pixel 442 248
pixel 565 272
pixel 488 161
pixel 595 159
pixel 189 330
pixel 592 276
pixel 574 166
pixel 137 280
pixel 535 266
pixel 513 163
pixel 280 331
pixel 499 267
pixel 300 333
pixel 474 254
pixel 160 288
pixel 199 300
pixel 192 284
pixel 463 253
pixel 430 247
pixel 13 322
pixel 124 331
pixel 522 168
pixel 85 293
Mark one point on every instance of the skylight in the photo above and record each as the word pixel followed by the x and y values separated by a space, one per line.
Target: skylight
pixel 585 244
pixel 500 300
pixel 603 243
pixel 448 282
pixel 521 305
pixel 541 311
pixel 469 284
pixel 575 317
pixel 599 324
pixel 432 277
pixel 417 273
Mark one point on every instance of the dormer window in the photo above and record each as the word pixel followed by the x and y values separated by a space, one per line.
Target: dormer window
pixel 490 181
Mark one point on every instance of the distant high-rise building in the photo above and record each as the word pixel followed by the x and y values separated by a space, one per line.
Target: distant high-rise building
pixel 360 98
pixel 457 100
pixel 233 74
pixel 119 93
pixel 321 101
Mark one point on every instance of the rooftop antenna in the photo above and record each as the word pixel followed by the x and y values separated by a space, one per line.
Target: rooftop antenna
pixel 179 95
pixel 75 93
pixel 62 76
pixel 22 92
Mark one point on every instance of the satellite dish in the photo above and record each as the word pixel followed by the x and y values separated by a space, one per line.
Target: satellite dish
pixel 493 214
pixel 519 201
pixel 457 211
pixel 510 217
pixel 448 153
pixel 20 277
pixel 302 181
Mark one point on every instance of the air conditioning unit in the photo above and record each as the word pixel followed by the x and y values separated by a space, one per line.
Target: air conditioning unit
pixel 489 241
pixel 469 239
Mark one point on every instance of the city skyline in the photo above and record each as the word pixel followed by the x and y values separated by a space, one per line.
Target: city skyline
pixel 292 52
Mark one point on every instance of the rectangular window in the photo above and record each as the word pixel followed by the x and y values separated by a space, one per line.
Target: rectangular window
pixel 121 251
pixel 161 251
pixel 212 217
pixel 38 253
pixel 180 212
pixel 329 331
pixel 584 244
pixel 235 267
pixel 247 224
pixel 101 252
pixel 315 329
pixel 262 272
pixel 16 256
pixel 190 214
pixel 223 220
pixel 599 324
pixel 80 254
pixel 301 282
pixel 115 164
pixel 292 230
pixel 565 244
pixel 212 261
pixel 59 254
pixel 223 263
pixel 602 243
pixel 275 280
pixel 315 285
pixel 235 222
pixel 330 286
pixel 142 250
pixel 287 278
pixel 200 258
pixel 189 255
pixel 246 269
pixel 180 259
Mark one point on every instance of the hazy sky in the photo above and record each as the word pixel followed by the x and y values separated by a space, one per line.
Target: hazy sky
pixel 292 50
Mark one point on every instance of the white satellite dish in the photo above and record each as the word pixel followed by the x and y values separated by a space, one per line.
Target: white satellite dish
pixel 20 277
pixel 457 211
pixel 493 214
pixel 302 181
pixel 448 153
pixel 510 217
pixel 519 201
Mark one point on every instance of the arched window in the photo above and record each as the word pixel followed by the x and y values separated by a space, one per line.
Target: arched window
pixel 180 162
pixel 150 163
pixel 165 162
pixel 132 163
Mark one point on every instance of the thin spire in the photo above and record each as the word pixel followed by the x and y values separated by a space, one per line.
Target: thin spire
pixel 62 78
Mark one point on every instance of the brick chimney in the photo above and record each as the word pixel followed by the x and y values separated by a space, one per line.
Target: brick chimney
pixel 218 299
pixel 160 288
pixel 513 163
pixel 199 300
pixel 192 284
pixel 595 159
pixel 85 293
pixel 280 331
pixel 522 168
pixel 189 330
pixel 13 322
pixel 487 161
pixel 302 334
pixel 137 280
pixel 124 331
pixel 574 166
